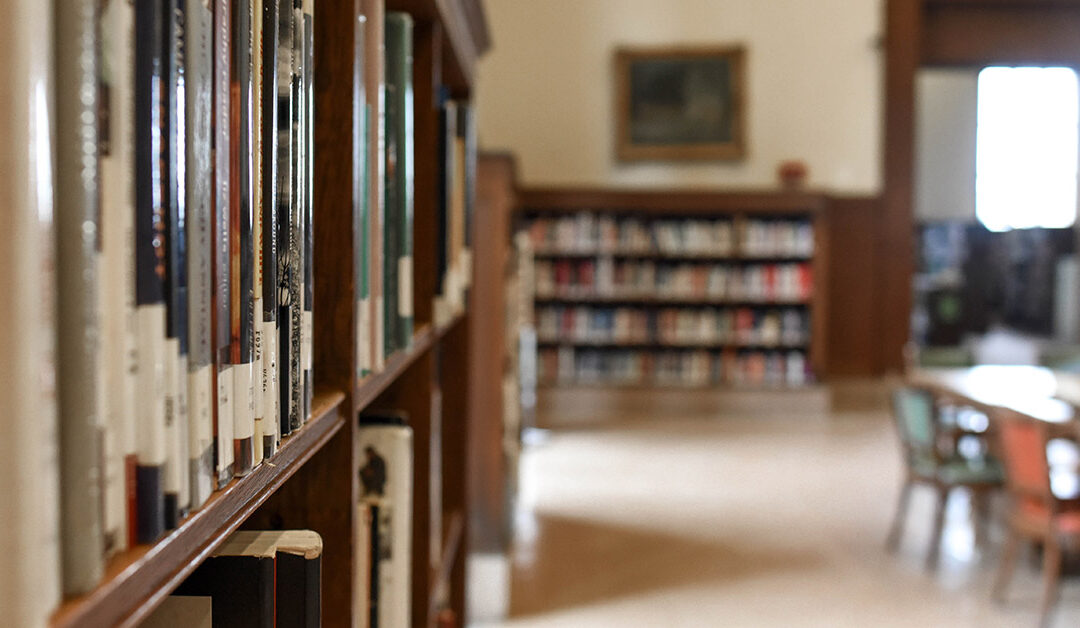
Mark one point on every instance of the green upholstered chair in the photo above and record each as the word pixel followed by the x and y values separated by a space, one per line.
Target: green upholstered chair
pixel 933 458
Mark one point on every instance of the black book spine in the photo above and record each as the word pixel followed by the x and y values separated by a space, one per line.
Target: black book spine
pixel 296 196
pixel 285 196
pixel 241 242
pixel 447 133
pixel 298 591
pixel 269 96
pixel 150 238
pixel 241 588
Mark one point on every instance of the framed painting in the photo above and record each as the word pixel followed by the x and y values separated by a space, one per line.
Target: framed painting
pixel 677 104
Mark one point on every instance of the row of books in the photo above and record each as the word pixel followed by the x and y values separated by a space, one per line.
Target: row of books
pixel 788 327
pixel 605 277
pixel 158 325
pixel 673 367
pixel 600 233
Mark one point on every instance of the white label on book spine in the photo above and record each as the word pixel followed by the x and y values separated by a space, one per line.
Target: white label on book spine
pixel 183 427
pixel 200 432
pixel 225 418
pixel 379 348
pixel 405 304
pixel 305 339
pixel 150 396
pixel 258 351
pixel 363 336
pixel 172 422
pixel 244 404
pixel 270 388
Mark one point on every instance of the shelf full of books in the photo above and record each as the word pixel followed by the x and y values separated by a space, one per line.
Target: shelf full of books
pixel 214 230
pixel 676 288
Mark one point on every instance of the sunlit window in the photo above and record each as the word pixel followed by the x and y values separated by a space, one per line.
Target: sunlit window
pixel 1026 148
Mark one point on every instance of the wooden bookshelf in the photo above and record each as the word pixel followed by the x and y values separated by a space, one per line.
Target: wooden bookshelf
pixel 649 210
pixel 312 481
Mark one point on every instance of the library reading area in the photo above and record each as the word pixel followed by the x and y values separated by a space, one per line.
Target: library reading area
pixel 499 313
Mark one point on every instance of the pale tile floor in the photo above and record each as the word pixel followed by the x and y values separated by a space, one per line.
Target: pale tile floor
pixel 727 521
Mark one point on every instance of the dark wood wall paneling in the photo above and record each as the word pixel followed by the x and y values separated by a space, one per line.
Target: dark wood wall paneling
pixel 853 317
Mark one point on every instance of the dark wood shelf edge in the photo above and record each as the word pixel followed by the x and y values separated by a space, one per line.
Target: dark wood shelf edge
pixel 691 301
pixel 673 201
pixel 660 388
pixel 659 345
pixel 138 580
pixel 726 258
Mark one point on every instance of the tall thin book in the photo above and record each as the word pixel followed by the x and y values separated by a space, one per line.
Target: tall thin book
pixel 199 71
pixel 29 489
pixel 150 237
pixel 116 148
pixel 269 247
pixel 222 330
pixel 386 443
pixel 241 244
pixel 361 217
pixel 257 159
pixel 307 131
pixel 399 169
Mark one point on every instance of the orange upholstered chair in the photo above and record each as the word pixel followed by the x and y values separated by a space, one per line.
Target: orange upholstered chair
pixel 1038 511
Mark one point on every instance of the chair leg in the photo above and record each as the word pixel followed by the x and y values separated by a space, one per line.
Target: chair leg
pixel 939 526
pixel 1051 573
pixel 897 527
pixel 1008 563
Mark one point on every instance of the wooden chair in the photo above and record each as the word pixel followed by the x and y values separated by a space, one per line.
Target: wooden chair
pixel 1043 505
pixel 932 458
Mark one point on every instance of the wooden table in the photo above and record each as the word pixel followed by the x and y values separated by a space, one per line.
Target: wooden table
pixel 1032 391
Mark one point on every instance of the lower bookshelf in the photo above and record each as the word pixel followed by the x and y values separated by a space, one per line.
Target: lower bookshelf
pixel 138 580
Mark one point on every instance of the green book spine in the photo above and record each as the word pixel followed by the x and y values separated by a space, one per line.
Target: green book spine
pixel 399 99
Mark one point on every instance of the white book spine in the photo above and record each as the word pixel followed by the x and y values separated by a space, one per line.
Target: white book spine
pixel 258 403
pixel 150 393
pixel 363 336
pixel 183 436
pixel 201 437
pixel 258 339
pixel 175 468
pixel 118 265
pixel 29 489
pixel 380 331
pixel 271 403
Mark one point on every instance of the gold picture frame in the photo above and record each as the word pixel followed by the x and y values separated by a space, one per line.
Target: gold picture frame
pixel 680 103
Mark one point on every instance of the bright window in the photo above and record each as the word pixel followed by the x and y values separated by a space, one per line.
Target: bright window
pixel 1026 148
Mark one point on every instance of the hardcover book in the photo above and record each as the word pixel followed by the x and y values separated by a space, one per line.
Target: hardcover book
pixel 29 489
pixel 198 70
pixel 269 208
pixel 399 178
pixel 386 443
pixel 150 238
pixel 119 359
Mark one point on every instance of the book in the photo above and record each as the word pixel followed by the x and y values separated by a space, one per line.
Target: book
pixel 150 242
pixel 241 244
pixel 399 180
pixel 386 444
pixel 177 494
pixel 257 158
pixel 443 218
pixel 78 247
pixel 307 173
pixel 361 212
pixel 29 488
pixel 118 340
pixel 262 578
pixel 198 76
pixel 268 248
pixel 221 314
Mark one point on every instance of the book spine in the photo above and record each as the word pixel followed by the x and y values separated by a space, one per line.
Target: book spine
pixel 467 126
pixel 308 172
pixel 399 59
pixel 283 227
pixel 377 183
pixel 29 489
pixel 120 362
pixel 177 495
pixel 78 248
pixel 223 385
pixel 198 77
pixel 362 220
pixel 257 158
pixel 390 221
pixel 296 196
pixel 150 228
pixel 269 209
pixel 386 484
pixel 241 249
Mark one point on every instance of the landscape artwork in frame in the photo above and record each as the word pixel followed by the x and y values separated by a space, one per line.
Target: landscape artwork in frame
pixel 680 103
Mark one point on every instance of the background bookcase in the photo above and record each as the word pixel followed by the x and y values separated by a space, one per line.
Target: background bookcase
pixel 312 481
pixel 557 300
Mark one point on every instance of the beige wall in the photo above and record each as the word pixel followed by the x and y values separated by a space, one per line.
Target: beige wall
pixel 545 91
pixel 945 123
